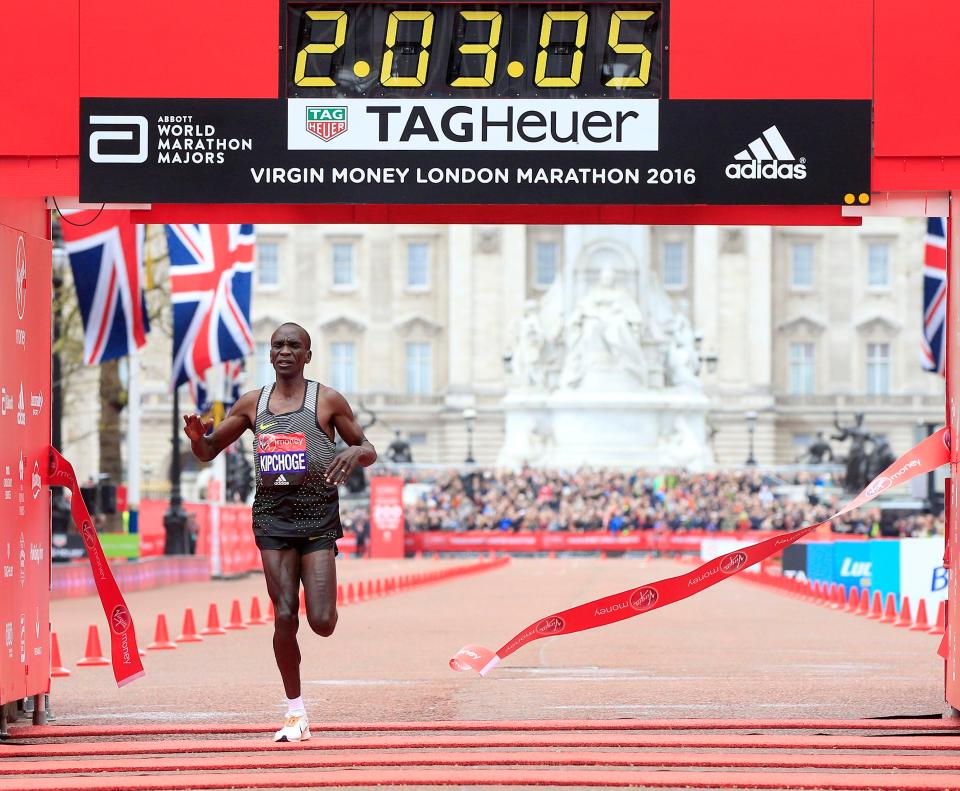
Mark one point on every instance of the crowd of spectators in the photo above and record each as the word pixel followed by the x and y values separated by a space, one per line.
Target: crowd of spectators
pixel 618 502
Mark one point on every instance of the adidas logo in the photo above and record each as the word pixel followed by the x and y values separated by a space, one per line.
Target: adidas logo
pixel 767 157
pixel 281 481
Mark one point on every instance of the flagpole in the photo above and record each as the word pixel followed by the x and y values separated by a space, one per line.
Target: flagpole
pixel 133 440
pixel 216 488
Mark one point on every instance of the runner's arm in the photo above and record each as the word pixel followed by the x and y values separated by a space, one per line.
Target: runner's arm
pixel 361 451
pixel 206 447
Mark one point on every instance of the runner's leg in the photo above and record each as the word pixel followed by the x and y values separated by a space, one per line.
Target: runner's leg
pixel 319 573
pixel 281 568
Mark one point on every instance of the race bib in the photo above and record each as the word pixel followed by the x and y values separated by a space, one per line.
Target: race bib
pixel 283 459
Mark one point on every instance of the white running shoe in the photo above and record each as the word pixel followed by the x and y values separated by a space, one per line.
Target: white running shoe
pixel 295 729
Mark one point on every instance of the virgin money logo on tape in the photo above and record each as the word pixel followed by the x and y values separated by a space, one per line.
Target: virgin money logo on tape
pixel 89 534
pixel 733 562
pixel 643 598
pixel 120 619
pixel 551 625
pixel 881 484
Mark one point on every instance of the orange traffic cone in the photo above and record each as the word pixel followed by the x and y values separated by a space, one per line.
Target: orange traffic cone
pixel 341 599
pixel 369 593
pixel 921 625
pixel 351 595
pixel 853 601
pixel 941 624
pixel 189 634
pixel 303 603
pixel 236 617
pixel 93 656
pixel 877 611
pixel 213 622
pixel 890 613
pixel 161 637
pixel 271 613
pixel 378 590
pixel 255 619
pixel 57 670
pixel 905 619
pixel 864 602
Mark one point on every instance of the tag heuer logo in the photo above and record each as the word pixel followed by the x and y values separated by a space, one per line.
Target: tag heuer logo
pixel 326 122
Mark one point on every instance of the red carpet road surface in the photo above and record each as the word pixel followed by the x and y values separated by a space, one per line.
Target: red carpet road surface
pixel 739 687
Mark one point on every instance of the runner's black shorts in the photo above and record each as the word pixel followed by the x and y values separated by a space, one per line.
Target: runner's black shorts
pixel 303 544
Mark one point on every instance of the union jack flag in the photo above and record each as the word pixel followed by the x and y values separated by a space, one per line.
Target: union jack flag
pixel 106 257
pixel 211 272
pixel 935 296
pixel 233 374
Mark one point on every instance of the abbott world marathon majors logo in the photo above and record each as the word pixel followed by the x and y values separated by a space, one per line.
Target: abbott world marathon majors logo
pixel 768 158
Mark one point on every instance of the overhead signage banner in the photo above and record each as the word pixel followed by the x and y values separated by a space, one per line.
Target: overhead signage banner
pixel 629 151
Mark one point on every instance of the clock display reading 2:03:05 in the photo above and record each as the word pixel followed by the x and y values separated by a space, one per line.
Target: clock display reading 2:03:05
pixel 530 50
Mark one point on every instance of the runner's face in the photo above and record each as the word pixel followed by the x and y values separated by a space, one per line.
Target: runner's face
pixel 288 351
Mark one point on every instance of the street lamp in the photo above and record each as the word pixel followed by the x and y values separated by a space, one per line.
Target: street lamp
pixel 751 417
pixel 710 359
pixel 470 417
pixel 175 518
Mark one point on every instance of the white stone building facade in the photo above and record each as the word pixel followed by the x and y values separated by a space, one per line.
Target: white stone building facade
pixel 413 324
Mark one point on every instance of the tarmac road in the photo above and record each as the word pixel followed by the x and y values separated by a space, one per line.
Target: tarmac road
pixel 738 650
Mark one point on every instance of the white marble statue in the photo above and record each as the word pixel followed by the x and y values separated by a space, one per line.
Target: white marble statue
pixel 605 332
pixel 529 357
pixel 683 361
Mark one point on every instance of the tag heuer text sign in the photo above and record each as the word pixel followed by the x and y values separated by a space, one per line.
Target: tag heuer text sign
pixel 326 122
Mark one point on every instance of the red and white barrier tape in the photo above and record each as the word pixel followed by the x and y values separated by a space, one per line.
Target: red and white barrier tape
pixel 933 452
pixel 127 666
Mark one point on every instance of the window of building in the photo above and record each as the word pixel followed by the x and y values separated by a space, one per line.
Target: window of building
pixel 802 368
pixel 674 264
pixel 418 265
pixel 878 368
pixel 343 369
pixel 417 438
pixel 419 378
pixel 268 264
pixel 262 368
pixel 343 264
pixel 801 265
pixel 546 258
pixel 878 265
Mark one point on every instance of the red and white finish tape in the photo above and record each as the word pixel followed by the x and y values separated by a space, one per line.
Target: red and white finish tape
pixel 933 452
pixel 124 655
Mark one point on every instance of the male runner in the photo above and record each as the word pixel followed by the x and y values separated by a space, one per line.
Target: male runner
pixel 296 512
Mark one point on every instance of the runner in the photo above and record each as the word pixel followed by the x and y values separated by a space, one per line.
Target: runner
pixel 296 512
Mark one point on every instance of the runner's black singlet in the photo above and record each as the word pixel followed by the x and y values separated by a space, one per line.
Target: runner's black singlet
pixel 291 455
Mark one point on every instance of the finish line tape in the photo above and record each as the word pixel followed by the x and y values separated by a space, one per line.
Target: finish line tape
pixel 127 666
pixel 925 457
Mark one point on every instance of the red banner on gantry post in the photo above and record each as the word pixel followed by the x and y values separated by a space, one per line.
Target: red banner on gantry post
pixel 25 299
pixel 386 518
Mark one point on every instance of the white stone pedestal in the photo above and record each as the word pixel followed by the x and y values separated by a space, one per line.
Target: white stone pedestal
pixel 570 428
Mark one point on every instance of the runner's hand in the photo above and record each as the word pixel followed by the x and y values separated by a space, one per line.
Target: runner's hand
pixel 342 465
pixel 195 428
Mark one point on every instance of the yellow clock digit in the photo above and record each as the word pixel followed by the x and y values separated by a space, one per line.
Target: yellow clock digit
pixel 320 48
pixel 489 49
pixel 540 77
pixel 627 48
pixel 387 77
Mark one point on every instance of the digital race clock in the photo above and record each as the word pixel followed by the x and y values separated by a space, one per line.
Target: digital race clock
pixel 510 50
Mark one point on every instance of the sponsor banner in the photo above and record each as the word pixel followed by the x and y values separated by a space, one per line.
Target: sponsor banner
pixel 922 574
pixel 493 124
pixel 475 151
pixel 125 657
pixel 929 454
pixel 24 442
pixel 386 518
pixel 885 567
pixel 851 564
pixel 820 561
pixel 711 548
pixel 795 562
